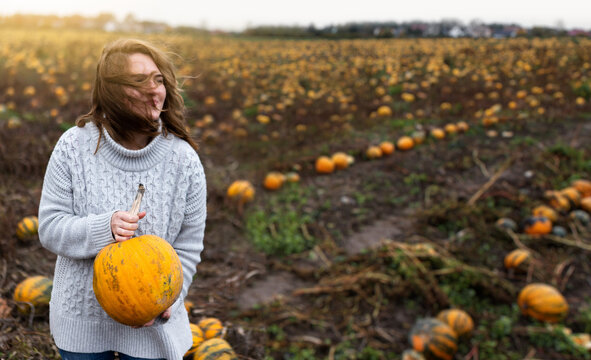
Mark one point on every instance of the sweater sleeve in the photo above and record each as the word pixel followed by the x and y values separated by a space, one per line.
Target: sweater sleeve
pixel 189 242
pixel 62 231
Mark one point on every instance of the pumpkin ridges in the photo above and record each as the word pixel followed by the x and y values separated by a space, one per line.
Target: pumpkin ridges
pixel 542 302
pixel 145 291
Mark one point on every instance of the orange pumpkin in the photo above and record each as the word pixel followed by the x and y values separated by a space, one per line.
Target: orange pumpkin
pixel 583 186
pixel 35 290
pixel 458 320
pixel 136 280
pixel 546 211
pixel 438 133
pixel 241 190
pixel 557 200
pixel 324 165
pixel 215 349
pixel 273 180
pixel 212 327
pixel 572 194
pixel 462 126
pixel 586 204
pixel 373 152
pixel 341 160
pixel 542 302
pixel 198 338
pixel 434 339
pixel 387 147
pixel 537 225
pixel 515 258
pixel 450 128
pixel 405 143
pixel 27 227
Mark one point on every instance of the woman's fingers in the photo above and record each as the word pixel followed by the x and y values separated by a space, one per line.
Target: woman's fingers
pixel 124 224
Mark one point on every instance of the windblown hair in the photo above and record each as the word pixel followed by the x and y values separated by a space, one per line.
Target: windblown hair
pixel 112 107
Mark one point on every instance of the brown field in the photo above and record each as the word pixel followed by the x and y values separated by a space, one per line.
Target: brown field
pixel 340 265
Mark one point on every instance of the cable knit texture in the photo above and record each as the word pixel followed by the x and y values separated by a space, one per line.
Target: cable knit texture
pixel 81 191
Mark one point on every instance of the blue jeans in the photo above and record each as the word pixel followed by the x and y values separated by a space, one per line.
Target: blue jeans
pixel 107 355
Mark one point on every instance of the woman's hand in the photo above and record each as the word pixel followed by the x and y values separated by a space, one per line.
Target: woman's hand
pixel 165 315
pixel 124 224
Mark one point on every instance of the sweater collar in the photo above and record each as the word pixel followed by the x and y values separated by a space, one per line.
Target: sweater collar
pixel 132 160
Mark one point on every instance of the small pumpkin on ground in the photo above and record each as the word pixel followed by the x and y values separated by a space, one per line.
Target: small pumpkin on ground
pixel 215 349
pixel 542 302
pixel 405 143
pixel 572 194
pixel 580 216
pixel 516 258
pixel 35 290
pixel 557 200
pixel 340 160
pixel 537 225
pixel 458 320
pixel 198 338
pixel 387 147
pixel 212 327
pixel 273 180
pixel 434 339
pixel 506 223
pixel 586 204
pixel 583 186
pixel 27 227
pixel 462 126
pixel 418 137
pixel 154 279
pixel 324 165
pixel 241 191
pixel 559 231
pixel 437 133
pixel 547 211
pixel 373 152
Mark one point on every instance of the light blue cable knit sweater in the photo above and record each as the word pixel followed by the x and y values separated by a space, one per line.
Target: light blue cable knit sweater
pixel 81 191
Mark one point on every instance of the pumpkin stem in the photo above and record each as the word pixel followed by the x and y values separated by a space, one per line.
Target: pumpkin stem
pixel 135 207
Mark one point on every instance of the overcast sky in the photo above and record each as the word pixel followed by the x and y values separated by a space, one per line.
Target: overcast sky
pixel 237 15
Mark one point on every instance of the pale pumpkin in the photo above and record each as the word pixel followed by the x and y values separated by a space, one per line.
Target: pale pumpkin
pixel 136 280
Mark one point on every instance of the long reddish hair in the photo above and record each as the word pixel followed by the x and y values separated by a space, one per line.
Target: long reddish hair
pixel 111 108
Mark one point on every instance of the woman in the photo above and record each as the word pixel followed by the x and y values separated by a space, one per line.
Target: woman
pixel 134 133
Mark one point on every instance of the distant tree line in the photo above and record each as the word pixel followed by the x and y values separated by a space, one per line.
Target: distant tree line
pixel 353 30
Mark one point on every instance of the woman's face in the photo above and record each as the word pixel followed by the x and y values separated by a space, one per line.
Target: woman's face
pixel 154 94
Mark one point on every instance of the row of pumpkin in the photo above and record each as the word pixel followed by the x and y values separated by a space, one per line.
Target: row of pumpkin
pixel 243 191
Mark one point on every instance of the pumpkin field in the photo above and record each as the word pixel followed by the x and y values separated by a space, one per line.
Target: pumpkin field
pixel 367 199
